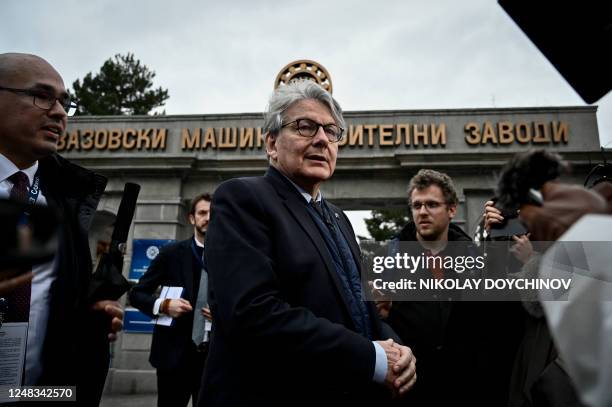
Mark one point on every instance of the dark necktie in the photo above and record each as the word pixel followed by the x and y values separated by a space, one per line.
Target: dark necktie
pixel 19 192
pixel 319 209
pixel 18 301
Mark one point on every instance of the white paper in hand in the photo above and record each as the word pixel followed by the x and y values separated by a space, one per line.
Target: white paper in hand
pixel 171 293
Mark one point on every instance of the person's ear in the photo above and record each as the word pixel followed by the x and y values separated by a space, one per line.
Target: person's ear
pixel 452 211
pixel 271 146
pixel 192 220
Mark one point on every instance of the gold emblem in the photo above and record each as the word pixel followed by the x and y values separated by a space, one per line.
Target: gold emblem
pixel 304 69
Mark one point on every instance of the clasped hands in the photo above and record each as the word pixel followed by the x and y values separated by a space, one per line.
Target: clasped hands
pixel 401 367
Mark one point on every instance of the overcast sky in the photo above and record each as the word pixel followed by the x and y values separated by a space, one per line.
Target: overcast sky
pixel 223 56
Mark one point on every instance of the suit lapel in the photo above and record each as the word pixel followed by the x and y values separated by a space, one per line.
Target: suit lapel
pixel 187 268
pixel 294 203
pixel 68 285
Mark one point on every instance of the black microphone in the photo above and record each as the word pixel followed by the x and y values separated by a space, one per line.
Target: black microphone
pixel 108 282
pixel 125 214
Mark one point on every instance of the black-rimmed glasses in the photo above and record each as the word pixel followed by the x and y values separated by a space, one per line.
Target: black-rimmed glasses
pixel 308 128
pixel 429 205
pixel 45 100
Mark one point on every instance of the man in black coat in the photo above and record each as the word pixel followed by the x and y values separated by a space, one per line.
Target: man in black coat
pixel 178 360
pixel 464 348
pixel 68 336
pixel 290 325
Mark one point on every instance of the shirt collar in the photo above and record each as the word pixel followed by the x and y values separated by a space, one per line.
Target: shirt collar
pixel 301 190
pixel 7 168
pixel 197 242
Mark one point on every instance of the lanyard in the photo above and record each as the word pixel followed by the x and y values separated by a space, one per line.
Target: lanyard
pixel 34 190
pixel 195 253
pixel 32 197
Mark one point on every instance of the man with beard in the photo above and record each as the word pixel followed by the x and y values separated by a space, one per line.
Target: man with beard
pixel 459 362
pixel 178 359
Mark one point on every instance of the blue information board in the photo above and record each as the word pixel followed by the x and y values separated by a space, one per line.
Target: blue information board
pixel 143 253
pixel 135 321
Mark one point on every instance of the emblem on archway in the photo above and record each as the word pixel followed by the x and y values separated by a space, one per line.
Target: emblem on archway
pixel 304 69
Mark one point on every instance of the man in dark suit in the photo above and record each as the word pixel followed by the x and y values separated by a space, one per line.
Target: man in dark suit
pixel 67 344
pixel 290 325
pixel 178 360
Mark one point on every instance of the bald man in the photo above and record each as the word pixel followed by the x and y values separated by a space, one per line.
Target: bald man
pixel 67 345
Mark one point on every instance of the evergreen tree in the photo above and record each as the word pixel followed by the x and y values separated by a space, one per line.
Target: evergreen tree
pixel 122 87
pixel 384 224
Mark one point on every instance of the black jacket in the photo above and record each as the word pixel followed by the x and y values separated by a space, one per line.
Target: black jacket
pixel 175 265
pixel 282 333
pixel 76 348
pixel 464 350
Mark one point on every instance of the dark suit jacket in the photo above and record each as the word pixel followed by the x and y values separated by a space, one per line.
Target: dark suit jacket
pixel 76 349
pixel 175 265
pixel 282 332
pixel 463 346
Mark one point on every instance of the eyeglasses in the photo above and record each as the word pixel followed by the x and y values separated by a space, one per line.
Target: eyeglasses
pixel 429 205
pixel 45 100
pixel 308 128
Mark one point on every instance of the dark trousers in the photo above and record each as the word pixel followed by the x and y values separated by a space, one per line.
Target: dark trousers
pixel 176 386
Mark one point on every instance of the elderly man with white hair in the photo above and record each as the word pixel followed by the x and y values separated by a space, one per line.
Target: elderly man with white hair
pixel 290 323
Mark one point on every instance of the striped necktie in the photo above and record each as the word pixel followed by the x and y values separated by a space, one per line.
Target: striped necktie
pixel 18 300
pixel 19 192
